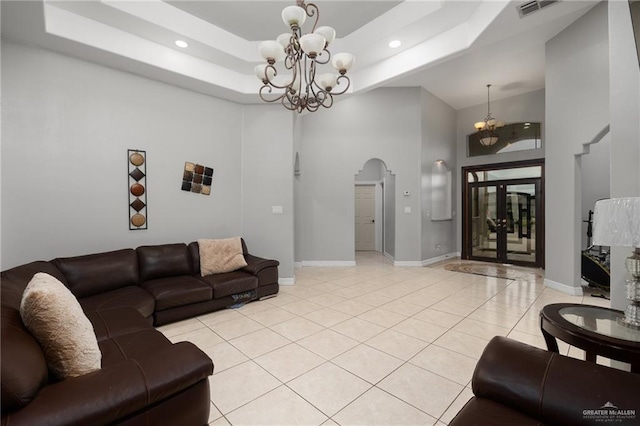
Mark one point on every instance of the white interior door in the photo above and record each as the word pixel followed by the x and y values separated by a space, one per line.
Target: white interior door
pixel 365 217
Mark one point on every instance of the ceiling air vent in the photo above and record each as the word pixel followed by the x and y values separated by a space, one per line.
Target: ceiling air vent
pixel 533 6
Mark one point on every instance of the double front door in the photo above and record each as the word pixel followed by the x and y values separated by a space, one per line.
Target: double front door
pixel 503 216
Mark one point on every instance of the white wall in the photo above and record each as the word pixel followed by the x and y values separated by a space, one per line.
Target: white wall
pixel 577 108
pixel 595 180
pixel 527 107
pixel 624 98
pixel 336 143
pixel 438 143
pixel 66 128
pixel 267 182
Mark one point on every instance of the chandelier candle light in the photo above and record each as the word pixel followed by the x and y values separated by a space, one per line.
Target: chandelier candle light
pixel 486 128
pixel 303 89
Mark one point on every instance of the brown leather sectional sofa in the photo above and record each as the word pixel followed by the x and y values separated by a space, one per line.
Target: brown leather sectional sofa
pixel 518 384
pixel 144 379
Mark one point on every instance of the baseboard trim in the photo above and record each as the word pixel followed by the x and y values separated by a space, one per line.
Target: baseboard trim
pixel 407 263
pixel 330 263
pixel 433 260
pixel 567 289
pixel 287 281
pixel 388 256
pixel 297 264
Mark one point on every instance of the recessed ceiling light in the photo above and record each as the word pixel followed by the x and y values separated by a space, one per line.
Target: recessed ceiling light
pixel 395 43
pixel 181 43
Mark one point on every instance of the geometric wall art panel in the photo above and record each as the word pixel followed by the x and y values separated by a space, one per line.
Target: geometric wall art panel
pixel 197 178
pixel 137 189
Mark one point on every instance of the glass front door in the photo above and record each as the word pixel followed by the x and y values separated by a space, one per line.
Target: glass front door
pixel 502 223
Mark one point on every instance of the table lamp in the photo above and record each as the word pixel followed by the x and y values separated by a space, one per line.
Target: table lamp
pixel 616 222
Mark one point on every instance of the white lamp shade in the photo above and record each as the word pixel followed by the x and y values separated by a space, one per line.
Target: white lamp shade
pixel 492 122
pixel 328 81
pixel 343 61
pixel 616 222
pixel 262 71
pixel 284 39
pixel 312 44
pixel 294 15
pixel 328 33
pixel 271 50
pixel 479 125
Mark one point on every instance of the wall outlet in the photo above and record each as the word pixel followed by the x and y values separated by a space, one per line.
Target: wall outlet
pixel 407 209
pixel 438 247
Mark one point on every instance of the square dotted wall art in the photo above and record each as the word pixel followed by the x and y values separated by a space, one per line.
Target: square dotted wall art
pixel 137 161
pixel 197 178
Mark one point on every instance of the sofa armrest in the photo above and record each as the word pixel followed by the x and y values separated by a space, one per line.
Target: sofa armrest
pixel 256 264
pixel 552 388
pixel 112 393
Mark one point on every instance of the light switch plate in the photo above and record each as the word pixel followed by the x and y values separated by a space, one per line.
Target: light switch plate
pixel 407 209
pixel 276 210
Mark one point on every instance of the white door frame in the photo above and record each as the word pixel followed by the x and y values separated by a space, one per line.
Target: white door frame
pixel 379 212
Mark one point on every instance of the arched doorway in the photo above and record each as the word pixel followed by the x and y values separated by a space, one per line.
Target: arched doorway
pixel 375 208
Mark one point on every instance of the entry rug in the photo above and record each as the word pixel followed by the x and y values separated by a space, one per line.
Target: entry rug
pixel 497 271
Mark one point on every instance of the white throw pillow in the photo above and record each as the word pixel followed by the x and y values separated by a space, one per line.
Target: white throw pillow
pixel 219 256
pixel 53 315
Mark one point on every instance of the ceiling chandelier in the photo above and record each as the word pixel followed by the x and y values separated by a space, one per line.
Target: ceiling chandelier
pixel 486 129
pixel 303 88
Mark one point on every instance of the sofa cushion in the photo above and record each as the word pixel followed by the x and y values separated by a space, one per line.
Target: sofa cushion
pixel 126 297
pixel 15 280
pixel 24 367
pixel 177 291
pixel 99 273
pixel 167 260
pixel 111 323
pixel 54 316
pixel 230 283
pixel 220 256
pixel 132 346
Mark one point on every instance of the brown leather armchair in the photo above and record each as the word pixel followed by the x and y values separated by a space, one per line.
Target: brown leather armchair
pixel 518 384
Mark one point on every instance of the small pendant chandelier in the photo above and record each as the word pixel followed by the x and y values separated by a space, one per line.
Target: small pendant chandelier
pixel 303 89
pixel 486 129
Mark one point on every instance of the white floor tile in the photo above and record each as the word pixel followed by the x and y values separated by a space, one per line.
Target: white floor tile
pixel 259 342
pixel 368 363
pixel 329 388
pixel 224 356
pixel 358 329
pixel 397 344
pixel 422 389
pixel 327 343
pixel 289 362
pixel 378 408
pixel 236 386
pixel 279 407
pixel 446 363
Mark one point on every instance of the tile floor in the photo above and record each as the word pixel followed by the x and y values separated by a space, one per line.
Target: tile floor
pixel 372 344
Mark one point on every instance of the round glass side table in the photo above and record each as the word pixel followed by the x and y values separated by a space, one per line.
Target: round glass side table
pixel 594 329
